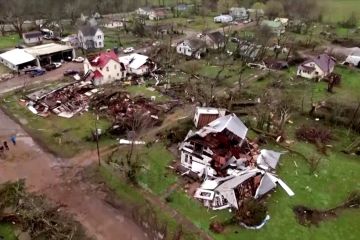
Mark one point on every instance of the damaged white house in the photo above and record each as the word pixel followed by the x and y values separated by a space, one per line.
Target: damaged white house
pixel 232 167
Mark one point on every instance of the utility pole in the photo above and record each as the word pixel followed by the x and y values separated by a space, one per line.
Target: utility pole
pixel 97 139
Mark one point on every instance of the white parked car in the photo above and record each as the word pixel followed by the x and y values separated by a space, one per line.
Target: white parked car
pixel 57 64
pixel 129 50
pixel 79 59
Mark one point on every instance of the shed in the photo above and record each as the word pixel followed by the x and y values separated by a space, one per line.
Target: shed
pixel 34 37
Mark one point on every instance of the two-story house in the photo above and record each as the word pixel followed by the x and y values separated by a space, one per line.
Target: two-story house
pixel 105 68
pixel 90 36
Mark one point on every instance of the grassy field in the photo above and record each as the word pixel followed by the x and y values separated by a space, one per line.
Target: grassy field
pixel 339 10
pixel 4 69
pixel 134 197
pixel 6 232
pixel 336 178
pixel 9 41
pixel 112 38
pixel 198 23
pixel 141 90
pixel 64 137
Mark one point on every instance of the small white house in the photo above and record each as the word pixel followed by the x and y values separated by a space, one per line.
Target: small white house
pixel 317 68
pixel 35 37
pixel 192 47
pixel 90 36
pixel 114 24
pixel 143 11
pixel 158 14
pixel 353 59
pixel 223 19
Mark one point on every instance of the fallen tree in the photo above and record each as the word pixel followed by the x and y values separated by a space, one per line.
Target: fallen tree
pixel 35 216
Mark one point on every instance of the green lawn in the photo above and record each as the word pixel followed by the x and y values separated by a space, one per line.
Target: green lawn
pixel 134 197
pixel 155 176
pixel 4 69
pixel 338 175
pixel 6 231
pixel 112 38
pixel 9 41
pixel 64 137
pixel 198 23
pixel 142 90
pixel 339 10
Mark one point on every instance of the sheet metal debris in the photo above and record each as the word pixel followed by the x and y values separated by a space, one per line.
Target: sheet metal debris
pixel 232 167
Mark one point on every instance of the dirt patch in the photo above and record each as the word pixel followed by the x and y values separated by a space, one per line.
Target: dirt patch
pixel 310 216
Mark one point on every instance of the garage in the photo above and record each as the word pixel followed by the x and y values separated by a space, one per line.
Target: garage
pixel 17 59
pixel 52 52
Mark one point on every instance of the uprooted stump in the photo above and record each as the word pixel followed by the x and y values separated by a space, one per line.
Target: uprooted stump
pixel 314 134
pixel 251 213
pixel 309 216
pixel 217 227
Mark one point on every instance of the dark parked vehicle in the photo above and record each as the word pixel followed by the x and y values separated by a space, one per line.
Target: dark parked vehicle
pixel 71 72
pixel 36 72
pixel 50 67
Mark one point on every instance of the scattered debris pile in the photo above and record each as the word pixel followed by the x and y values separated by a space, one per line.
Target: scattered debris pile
pixel 353 148
pixel 6 76
pixel 126 111
pixel 65 101
pixel 346 114
pixel 35 218
pixel 233 169
pixel 315 134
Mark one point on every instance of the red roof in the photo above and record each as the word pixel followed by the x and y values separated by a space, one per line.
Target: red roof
pixel 97 74
pixel 103 59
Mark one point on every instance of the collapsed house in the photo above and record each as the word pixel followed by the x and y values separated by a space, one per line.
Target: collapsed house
pixel 130 114
pixel 65 101
pixel 233 168
pixel 249 51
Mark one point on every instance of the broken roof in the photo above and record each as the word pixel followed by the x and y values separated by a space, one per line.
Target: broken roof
pixel 216 37
pixel 103 58
pixel 323 61
pixel 230 122
pixel 17 56
pixel 268 158
pixel 134 60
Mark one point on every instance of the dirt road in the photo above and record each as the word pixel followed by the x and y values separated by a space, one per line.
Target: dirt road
pixel 19 81
pixel 57 180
